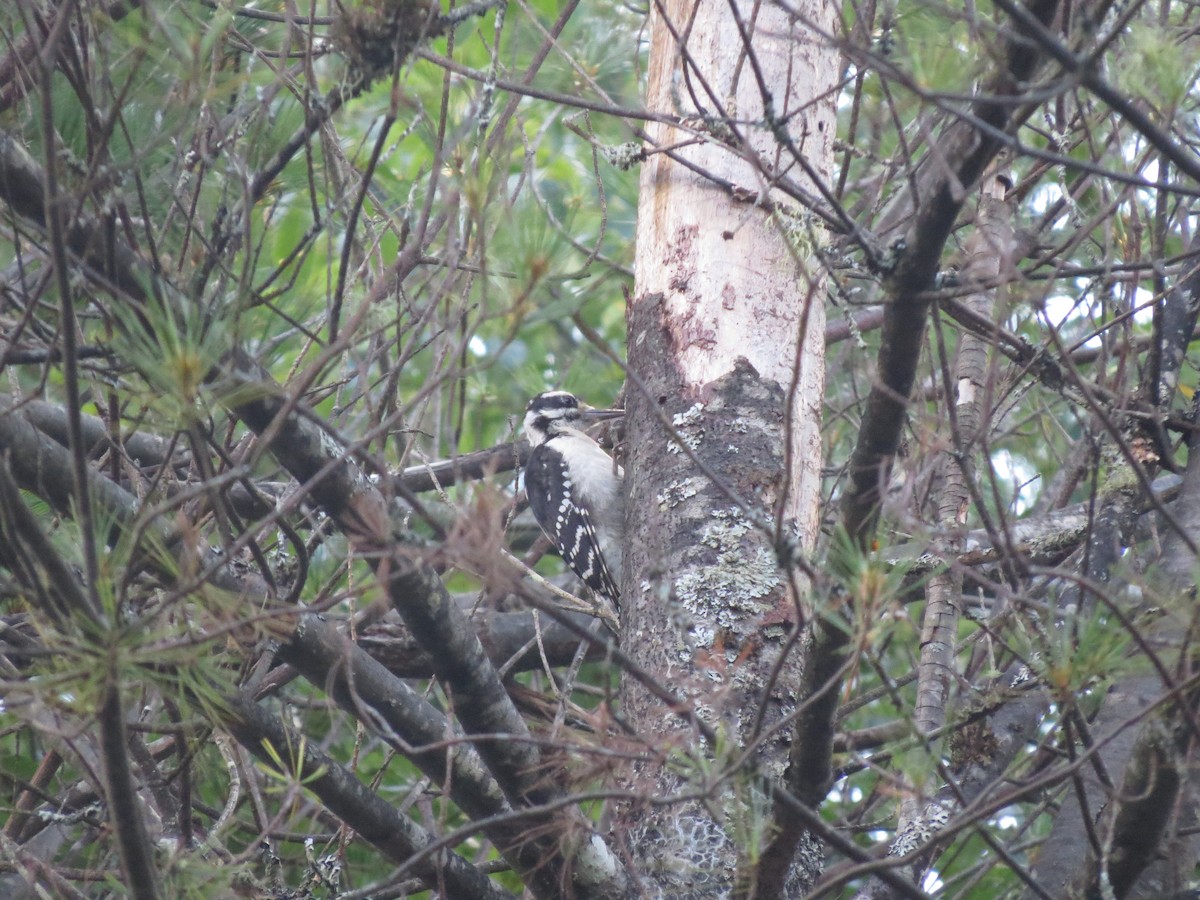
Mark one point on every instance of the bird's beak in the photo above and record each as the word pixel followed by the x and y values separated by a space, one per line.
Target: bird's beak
pixel 591 414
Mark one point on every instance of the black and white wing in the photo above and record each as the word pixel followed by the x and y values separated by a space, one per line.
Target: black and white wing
pixel 566 521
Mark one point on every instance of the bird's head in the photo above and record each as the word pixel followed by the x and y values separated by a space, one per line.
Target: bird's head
pixel 554 411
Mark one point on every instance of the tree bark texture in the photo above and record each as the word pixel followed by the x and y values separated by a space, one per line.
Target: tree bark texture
pixel 987 251
pixel 723 411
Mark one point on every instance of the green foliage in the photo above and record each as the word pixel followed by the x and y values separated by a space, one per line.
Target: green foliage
pixel 461 224
pixel 1162 68
pixel 158 138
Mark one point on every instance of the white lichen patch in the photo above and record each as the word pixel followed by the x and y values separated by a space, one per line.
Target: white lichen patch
pixel 735 581
pixel 693 634
pixel 689 418
pixel 683 855
pixel 726 532
pixel 687 428
pixel 918 832
pixel 678 491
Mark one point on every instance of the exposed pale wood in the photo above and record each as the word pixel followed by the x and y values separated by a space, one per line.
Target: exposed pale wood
pixel 736 281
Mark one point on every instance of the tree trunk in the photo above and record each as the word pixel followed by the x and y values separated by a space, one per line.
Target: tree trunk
pixel 726 379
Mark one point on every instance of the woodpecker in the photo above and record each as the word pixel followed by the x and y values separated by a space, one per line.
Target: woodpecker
pixel 575 489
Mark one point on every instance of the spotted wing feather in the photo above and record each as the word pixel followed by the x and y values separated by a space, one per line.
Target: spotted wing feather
pixel 570 527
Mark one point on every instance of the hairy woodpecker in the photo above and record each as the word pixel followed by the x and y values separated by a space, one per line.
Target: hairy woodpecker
pixel 575 489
